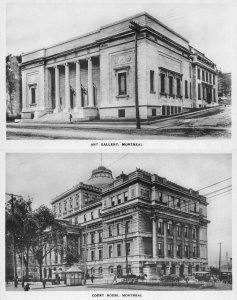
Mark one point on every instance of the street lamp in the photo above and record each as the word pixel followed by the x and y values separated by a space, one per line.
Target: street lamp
pixel 136 28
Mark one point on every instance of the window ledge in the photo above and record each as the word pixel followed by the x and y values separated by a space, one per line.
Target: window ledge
pixel 122 96
pixel 152 92
pixel 33 104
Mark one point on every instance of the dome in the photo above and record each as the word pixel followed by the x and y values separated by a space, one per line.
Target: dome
pixel 100 176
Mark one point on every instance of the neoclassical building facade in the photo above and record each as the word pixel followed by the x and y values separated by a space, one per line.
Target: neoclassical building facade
pixel 92 76
pixel 137 223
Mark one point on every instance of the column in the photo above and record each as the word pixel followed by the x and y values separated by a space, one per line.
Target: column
pixel 166 84
pixel 79 245
pixel 90 83
pixel 154 237
pixel 190 241
pixel 165 238
pixel 78 85
pixel 174 86
pixel 64 248
pixel 174 240
pixel 67 88
pixel 198 241
pixel 183 241
pixel 57 93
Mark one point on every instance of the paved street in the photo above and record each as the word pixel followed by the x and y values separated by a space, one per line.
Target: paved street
pixel 211 123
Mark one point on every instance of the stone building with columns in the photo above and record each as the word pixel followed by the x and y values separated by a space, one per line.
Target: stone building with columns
pixel 137 223
pixel 92 76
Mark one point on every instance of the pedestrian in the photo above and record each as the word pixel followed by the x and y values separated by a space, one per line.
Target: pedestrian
pixel 84 279
pixel 92 278
pixel 115 279
pixel 44 283
pixel 27 287
pixel 70 118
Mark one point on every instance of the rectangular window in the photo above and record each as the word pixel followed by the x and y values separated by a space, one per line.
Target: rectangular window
pixel 113 201
pixel 92 255
pixel 214 94
pixel 84 239
pixel 186 231
pixel 203 76
pixel 186 89
pixel 160 227
pixel 110 251
pixel 186 251
pixel 99 212
pixel 153 112
pixel 92 238
pixel 194 251
pixel 199 91
pixel 178 250
pixel 127 226
pixel 194 233
pixel 214 79
pixel 178 230
pixel 121 113
pixel 119 250
pixel 100 237
pixel 60 208
pixel 125 196
pixel 32 95
pixel 92 215
pixel 210 77
pixel 206 76
pixel 119 198
pixel 77 200
pixel 152 75
pixel 133 193
pixel 162 83
pixel 118 229
pixel 190 90
pixel 171 85
pixel 84 218
pixel 159 249
pixel 160 196
pixel 100 254
pixel 110 230
pixel 178 84
pixel 65 206
pixel 198 73
pixel 169 229
pixel 128 248
pixel 169 246
pixel 122 83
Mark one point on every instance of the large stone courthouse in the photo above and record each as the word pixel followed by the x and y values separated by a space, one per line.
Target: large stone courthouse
pixel 93 76
pixel 137 223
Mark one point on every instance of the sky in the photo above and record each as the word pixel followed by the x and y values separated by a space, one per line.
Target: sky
pixel 208 27
pixel 43 176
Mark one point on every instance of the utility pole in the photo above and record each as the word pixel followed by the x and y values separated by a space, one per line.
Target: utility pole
pixel 220 259
pixel 136 28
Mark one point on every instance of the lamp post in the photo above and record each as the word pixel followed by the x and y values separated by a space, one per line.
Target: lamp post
pixel 136 28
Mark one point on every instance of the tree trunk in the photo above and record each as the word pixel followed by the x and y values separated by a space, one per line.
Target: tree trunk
pixel 40 270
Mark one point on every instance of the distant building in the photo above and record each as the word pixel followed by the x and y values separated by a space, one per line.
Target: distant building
pixel 137 223
pixel 92 76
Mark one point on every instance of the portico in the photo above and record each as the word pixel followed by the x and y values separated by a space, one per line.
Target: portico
pixel 72 87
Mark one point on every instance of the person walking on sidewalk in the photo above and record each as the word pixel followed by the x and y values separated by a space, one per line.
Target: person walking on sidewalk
pixel 44 283
pixel 92 278
pixel 70 118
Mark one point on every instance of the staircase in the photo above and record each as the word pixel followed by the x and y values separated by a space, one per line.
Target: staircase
pixel 60 117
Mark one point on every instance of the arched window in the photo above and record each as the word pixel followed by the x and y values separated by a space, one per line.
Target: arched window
pixel 92 271
pixel 100 270
pixel 111 270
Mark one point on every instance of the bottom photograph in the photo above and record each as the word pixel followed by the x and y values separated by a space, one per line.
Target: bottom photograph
pixel 117 221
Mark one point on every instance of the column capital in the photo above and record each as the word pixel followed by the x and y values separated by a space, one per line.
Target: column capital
pixel 78 61
pixel 66 64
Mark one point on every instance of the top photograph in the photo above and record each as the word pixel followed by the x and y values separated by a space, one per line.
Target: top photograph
pixel 142 72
